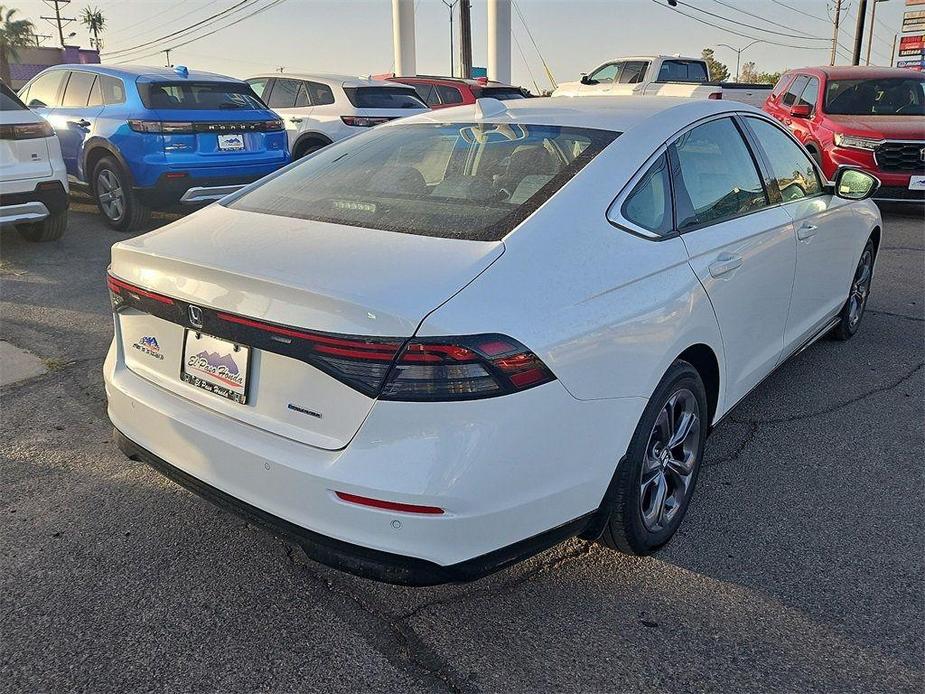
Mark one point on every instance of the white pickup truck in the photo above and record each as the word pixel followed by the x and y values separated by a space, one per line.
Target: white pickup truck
pixel 660 75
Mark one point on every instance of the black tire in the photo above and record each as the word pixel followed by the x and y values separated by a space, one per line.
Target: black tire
pixel 131 215
pixel 307 147
pixel 627 530
pixel 49 229
pixel 849 320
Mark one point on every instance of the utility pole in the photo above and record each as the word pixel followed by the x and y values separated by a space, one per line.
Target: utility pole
pixel 451 5
pixel 167 51
pixel 58 20
pixel 859 32
pixel 870 33
pixel 465 38
pixel 835 31
pixel 893 50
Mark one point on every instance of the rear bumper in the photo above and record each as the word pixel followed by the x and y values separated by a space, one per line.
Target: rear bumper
pixel 510 483
pixel 48 197
pixel 193 189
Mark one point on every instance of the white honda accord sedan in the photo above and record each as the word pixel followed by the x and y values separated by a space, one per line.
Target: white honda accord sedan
pixel 434 349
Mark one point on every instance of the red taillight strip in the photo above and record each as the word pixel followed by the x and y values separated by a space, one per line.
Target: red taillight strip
pixel 388 505
pixel 117 286
pixel 335 346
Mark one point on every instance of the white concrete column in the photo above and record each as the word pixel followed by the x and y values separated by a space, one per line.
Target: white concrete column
pixel 499 40
pixel 403 37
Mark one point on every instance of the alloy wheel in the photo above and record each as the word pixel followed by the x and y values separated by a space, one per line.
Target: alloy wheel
pixel 860 288
pixel 671 457
pixel 110 194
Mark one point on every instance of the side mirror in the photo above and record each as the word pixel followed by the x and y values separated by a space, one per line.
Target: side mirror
pixel 801 111
pixel 854 184
pixel 585 79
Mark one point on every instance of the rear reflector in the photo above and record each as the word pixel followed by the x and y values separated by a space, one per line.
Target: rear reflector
pixel 388 505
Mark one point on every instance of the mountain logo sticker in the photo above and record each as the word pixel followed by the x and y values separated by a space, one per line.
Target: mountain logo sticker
pixel 149 345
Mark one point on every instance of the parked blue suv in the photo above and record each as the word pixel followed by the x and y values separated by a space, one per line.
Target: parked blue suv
pixel 147 137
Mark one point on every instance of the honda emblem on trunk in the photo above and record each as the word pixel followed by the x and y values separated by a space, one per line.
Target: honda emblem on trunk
pixel 195 316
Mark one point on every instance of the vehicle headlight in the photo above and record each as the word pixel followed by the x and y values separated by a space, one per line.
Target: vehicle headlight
pixel 854 142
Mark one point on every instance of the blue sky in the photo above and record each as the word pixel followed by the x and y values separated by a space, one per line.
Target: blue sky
pixel 355 36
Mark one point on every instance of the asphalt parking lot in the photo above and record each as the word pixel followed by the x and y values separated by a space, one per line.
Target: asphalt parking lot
pixel 800 566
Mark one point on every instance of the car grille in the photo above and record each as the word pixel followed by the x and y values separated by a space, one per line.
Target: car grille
pixel 901 156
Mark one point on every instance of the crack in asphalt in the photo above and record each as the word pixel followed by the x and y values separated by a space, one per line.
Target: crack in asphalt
pixel 753 428
pixel 394 639
pixel 895 315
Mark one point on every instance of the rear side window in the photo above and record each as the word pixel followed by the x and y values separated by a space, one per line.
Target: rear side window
pixel 44 91
pixel 96 94
pixel 792 170
pixel 715 177
pixel 649 205
pixel 427 94
pixel 502 93
pixel 454 180
pixel 112 89
pixel 199 96
pixel 284 93
pixel 449 95
pixel 9 101
pixel 781 85
pixel 77 91
pixel 319 94
pixel 634 72
pixel 683 71
pixel 383 97
pixel 259 86
pixel 799 84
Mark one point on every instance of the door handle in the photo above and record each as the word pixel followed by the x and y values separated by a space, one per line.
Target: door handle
pixel 724 264
pixel 82 123
pixel 295 120
pixel 807 231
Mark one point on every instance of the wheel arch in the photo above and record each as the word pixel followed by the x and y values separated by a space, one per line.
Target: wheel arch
pixel 95 149
pixel 704 360
pixel 875 236
pixel 310 136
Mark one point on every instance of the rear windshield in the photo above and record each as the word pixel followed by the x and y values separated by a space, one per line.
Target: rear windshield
pixel 460 180
pixel 502 93
pixel 199 96
pixel 683 71
pixel 384 97
pixel 9 101
pixel 890 96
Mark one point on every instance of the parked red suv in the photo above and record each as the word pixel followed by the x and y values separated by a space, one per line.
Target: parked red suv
pixel 869 117
pixel 443 92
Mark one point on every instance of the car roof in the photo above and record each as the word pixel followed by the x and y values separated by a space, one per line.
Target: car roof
pixel 855 71
pixel 616 113
pixel 327 78
pixel 452 80
pixel 147 73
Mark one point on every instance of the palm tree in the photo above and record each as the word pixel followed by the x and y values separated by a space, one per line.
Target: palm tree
pixel 14 34
pixel 93 19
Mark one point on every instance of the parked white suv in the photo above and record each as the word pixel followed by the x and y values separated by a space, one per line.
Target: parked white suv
pixel 321 109
pixel 33 183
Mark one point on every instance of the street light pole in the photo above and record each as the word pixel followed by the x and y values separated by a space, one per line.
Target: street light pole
pixel 870 32
pixel 738 52
pixel 451 5
pixel 859 32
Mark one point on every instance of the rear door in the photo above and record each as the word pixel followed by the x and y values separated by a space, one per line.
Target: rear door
pixel 290 99
pixel 74 119
pixel 826 230
pixel 740 246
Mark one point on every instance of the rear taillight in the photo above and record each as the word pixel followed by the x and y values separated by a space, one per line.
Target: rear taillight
pixel 272 125
pixel 363 121
pixel 161 127
pixel 119 291
pixel 26 131
pixel 463 368
pixel 716 96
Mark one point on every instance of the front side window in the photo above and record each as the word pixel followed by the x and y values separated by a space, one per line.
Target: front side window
pixel 383 97
pixel 606 73
pixel 882 96
pixel 683 71
pixel 458 180
pixel 77 91
pixel 791 168
pixel 799 84
pixel 781 85
pixel 715 176
pixel 44 91
pixel 810 94
pixel 199 96
pixel 649 205
pixel 284 93
pixel 634 72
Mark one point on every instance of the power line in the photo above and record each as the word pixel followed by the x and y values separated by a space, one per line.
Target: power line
pixel 552 80
pixel 765 19
pixel 271 5
pixel 234 7
pixel 737 33
pixel 799 11
pixel 150 30
pixel 750 26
